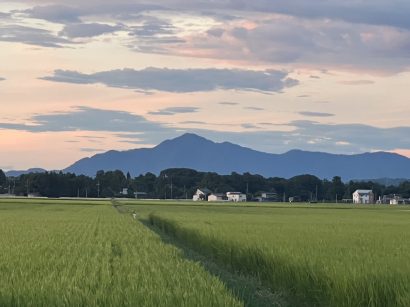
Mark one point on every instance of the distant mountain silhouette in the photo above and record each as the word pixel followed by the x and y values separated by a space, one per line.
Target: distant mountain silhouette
pixel 18 173
pixel 195 152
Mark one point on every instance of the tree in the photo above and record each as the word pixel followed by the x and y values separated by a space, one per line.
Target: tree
pixel 3 180
pixel 338 187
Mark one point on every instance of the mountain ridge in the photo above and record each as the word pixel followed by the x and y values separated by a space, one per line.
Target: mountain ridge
pixel 197 152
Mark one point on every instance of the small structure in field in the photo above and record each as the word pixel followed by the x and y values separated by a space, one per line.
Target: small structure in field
pixel 201 194
pixel 398 200
pixel 236 196
pixel 217 197
pixel 268 197
pixel 363 197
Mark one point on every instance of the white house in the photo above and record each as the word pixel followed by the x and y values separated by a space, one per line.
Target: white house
pixel 201 194
pixel 363 197
pixel 217 197
pixel 236 196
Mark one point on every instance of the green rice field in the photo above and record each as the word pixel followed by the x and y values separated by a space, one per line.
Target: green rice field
pixel 56 253
pixel 318 255
pixel 95 253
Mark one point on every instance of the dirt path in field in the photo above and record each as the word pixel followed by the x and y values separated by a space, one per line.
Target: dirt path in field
pixel 247 289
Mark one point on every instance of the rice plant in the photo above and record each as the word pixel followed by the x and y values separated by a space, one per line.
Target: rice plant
pixel 325 255
pixel 60 254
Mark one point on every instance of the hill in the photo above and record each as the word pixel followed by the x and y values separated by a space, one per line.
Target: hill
pixel 195 152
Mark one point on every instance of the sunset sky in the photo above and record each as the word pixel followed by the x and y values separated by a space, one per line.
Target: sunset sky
pixel 82 77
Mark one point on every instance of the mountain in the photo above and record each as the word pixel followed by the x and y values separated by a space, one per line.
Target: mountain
pixel 196 152
pixel 18 173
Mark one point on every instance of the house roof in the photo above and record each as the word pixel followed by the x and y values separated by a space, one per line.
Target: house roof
pixel 363 191
pixel 205 190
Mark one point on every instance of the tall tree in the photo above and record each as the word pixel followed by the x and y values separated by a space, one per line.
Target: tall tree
pixel 3 180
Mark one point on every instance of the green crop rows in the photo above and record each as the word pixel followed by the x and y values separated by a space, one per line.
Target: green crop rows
pixel 319 255
pixel 87 254
pixel 91 253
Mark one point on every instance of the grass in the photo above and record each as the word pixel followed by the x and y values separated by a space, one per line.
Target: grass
pixel 65 253
pixel 320 255
pixel 79 252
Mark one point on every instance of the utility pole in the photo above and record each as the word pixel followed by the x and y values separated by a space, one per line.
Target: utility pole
pixel 86 192
pixel 165 185
pixel 316 193
pixel 172 195
pixel 78 192
pixel 27 186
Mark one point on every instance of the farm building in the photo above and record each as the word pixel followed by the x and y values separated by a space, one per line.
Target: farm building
pixel 201 194
pixel 363 197
pixel 268 196
pixel 398 200
pixel 236 196
pixel 217 197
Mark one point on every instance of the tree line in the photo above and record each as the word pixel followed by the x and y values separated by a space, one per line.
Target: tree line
pixel 182 184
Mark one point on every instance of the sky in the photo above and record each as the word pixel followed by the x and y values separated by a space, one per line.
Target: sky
pixel 79 78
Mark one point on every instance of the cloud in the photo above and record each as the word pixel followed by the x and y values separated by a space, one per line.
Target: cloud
pixel 380 12
pixel 88 119
pixel 88 30
pixel 193 122
pixel 302 134
pixel 254 108
pixel 153 26
pixel 174 110
pixel 249 126
pixel 91 150
pixel 316 114
pixel 55 13
pixel 228 103
pixel 2 79
pixel 182 80
pixel 60 12
pixel 217 32
pixel 31 36
pixel 357 82
pixel 336 34
pixel 290 40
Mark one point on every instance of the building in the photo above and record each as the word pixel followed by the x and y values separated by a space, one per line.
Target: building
pixel 201 194
pixel 363 197
pixel 217 197
pixel 398 200
pixel 236 196
pixel 268 197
